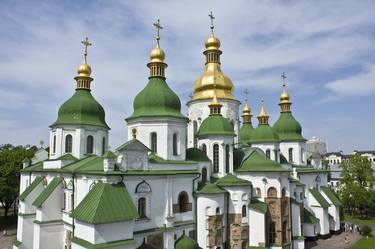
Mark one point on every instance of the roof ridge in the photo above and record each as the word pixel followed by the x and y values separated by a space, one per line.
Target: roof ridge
pixel 100 199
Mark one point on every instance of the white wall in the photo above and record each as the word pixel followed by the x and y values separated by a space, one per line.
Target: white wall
pixel 299 151
pixel 273 147
pixel 257 228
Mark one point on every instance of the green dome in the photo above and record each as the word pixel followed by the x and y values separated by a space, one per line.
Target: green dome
pixel 156 100
pixel 256 161
pixel 215 124
pixel 245 133
pixel 288 128
pixel 185 242
pixel 81 109
pixel 264 133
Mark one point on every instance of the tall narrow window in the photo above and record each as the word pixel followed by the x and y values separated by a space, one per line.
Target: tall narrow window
pixel 195 130
pixel 154 142
pixel 175 149
pixel 227 158
pixel 103 146
pixel 204 175
pixel 204 148
pixel 276 157
pixel 183 202
pixel 216 158
pixel 302 152
pixel 68 143
pixel 54 144
pixel 142 207
pixel 268 153
pixel 290 151
pixel 284 232
pixel 272 233
pixel 244 211
pixel 90 144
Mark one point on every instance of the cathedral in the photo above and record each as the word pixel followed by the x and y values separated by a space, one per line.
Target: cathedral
pixel 210 179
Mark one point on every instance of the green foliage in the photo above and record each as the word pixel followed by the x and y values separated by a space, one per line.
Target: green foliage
pixel 11 158
pixel 366 231
pixel 365 243
pixel 357 178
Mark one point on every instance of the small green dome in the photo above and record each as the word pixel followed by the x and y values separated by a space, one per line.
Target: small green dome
pixel 81 109
pixel 288 128
pixel 156 100
pixel 215 124
pixel 185 242
pixel 245 133
pixel 264 133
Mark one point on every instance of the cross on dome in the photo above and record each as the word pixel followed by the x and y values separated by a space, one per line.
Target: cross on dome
pixel 283 78
pixel 212 18
pixel 246 95
pixel 86 43
pixel 158 28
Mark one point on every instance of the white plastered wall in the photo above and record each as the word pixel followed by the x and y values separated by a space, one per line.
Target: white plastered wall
pixel 299 151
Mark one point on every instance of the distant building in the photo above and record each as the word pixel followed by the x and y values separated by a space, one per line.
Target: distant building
pixel 316 145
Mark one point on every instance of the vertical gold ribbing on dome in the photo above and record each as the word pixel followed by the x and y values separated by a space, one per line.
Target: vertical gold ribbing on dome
pixel 263 115
pixel 215 106
pixel 157 56
pixel 84 70
pixel 284 96
pixel 246 112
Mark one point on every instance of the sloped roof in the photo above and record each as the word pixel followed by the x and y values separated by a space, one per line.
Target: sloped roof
pixel 331 195
pixel 47 191
pixel 133 144
pixel 106 203
pixel 210 188
pixel 308 217
pixel 185 242
pixel 231 180
pixel 153 158
pixel 196 154
pixel 256 161
pixel 319 198
pixel 258 205
pixel 31 187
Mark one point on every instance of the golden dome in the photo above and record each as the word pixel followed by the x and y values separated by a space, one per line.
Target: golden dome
pixel 263 113
pixel 246 109
pixel 284 97
pixel 84 70
pixel 157 55
pixel 212 43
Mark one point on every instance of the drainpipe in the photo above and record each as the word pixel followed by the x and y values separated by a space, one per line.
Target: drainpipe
pixel 291 221
pixel 74 188
pixel 196 205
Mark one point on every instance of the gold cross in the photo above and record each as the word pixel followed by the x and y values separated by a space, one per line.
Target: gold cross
pixel 158 28
pixel 246 93
pixel 212 22
pixel 86 43
pixel 283 77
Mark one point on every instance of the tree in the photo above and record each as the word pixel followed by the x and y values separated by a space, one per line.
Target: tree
pixel 11 158
pixel 357 179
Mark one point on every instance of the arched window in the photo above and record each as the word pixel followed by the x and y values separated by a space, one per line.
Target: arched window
pixel 154 142
pixel 218 211
pixel 175 149
pixel 195 130
pixel 244 245
pixel 216 158
pixel 268 153
pixel 103 146
pixel 142 207
pixel 90 144
pixel 204 175
pixel 283 192
pixel 68 143
pixel 258 192
pixel 284 232
pixel 183 202
pixel 302 155
pixel 276 157
pixel 244 211
pixel 227 158
pixel 272 233
pixel 204 148
pixel 290 151
pixel 54 144
pixel 143 187
pixel 272 192
pixel 317 182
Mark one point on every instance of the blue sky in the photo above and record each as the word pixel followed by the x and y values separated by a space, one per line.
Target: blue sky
pixel 327 49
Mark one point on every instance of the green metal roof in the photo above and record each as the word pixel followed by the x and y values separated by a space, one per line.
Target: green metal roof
pixel 295 181
pixel 245 133
pixel 109 154
pixel 185 242
pixel 67 157
pixel 81 109
pixel 210 189
pixel 153 158
pixel 156 100
pixel 308 217
pixel 106 203
pixel 258 205
pixel 56 181
pixel 132 142
pixel 215 124
pixel 113 244
pixel 195 154
pixel 331 195
pixel 319 198
pixel 31 187
pixel 256 161
pixel 288 128
pixel 231 180
pixel 264 133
